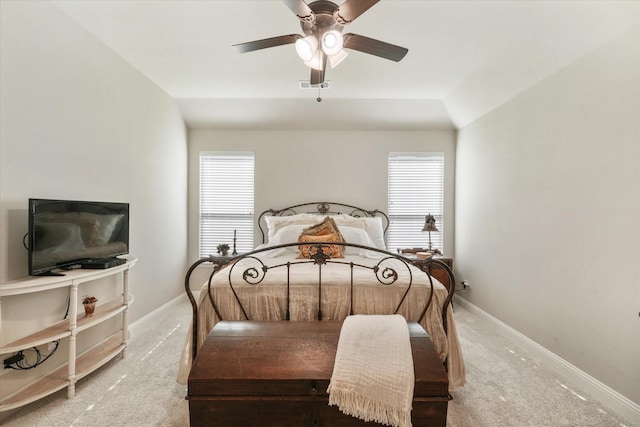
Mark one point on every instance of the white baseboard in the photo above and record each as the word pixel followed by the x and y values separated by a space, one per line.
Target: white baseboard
pixel 158 312
pixel 605 394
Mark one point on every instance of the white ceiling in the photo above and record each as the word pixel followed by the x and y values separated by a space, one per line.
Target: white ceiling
pixel 465 57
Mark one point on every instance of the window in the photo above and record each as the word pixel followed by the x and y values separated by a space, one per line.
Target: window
pixel 226 201
pixel 416 188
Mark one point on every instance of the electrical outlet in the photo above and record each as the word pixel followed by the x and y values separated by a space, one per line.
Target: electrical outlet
pixel 465 285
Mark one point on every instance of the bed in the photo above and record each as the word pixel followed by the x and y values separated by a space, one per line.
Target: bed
pixel 323 261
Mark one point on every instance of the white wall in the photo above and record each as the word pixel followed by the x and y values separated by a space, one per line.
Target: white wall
pixel 78 122
pixel 548 214
pixel 304 166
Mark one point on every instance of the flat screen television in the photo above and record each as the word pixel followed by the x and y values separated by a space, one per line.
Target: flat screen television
pixel 65 234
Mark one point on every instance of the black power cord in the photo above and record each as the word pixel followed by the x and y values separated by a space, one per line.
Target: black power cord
pixel 19 361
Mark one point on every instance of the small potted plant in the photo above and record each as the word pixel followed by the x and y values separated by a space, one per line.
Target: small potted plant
pixel 223 249
pixel 89 303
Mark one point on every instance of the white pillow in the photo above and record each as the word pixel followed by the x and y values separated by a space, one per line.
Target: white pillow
pixel 348 220
pixel 372 225
pixel 287 234
pixel 290 233
pixel 356 236
pixel 274 223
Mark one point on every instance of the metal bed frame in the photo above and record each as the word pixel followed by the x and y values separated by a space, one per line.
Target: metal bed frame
pixel 385 270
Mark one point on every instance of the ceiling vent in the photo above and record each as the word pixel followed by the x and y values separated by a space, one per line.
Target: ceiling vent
pixel 306 84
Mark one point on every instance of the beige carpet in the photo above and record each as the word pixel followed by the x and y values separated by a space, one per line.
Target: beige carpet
pixel 505 387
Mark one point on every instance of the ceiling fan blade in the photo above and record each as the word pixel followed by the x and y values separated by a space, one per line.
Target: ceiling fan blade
pixel 266 43
pixel 351 9
pixel 301 9
pixel 317 76
pixel 374 47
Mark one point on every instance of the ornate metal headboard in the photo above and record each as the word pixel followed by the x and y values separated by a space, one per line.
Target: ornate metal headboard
pixel 322 208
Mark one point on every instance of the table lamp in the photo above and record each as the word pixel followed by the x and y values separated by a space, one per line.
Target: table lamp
pixel 429 226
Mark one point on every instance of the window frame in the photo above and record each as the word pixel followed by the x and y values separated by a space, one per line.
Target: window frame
pixel 408 206
pixel 239 224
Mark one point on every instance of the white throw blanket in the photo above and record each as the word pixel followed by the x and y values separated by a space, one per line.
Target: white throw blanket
pixel 373 375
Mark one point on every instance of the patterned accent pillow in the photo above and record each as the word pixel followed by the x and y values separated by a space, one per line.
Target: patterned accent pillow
pixel 326 231
pixel 333 251
pixel 327 226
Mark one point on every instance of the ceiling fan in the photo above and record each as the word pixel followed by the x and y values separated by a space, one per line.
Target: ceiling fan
pixel 322 23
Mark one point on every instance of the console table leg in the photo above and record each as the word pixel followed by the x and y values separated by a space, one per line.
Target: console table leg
pixel 73 316
pixel 125 312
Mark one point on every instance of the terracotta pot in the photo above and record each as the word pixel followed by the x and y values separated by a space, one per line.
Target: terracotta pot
pixel 89 309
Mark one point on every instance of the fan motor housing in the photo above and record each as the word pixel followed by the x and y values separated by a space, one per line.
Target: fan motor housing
pixel 324 20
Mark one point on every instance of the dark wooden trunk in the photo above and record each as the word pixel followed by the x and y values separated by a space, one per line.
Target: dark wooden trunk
pixel 277 373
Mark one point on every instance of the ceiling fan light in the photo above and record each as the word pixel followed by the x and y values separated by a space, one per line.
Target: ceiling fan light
pixel 316 61
pixel 332 42
pixel 306 47
pixel 334 60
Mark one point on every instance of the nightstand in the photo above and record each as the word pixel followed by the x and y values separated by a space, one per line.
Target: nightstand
pixel 440 273
pixel 437 271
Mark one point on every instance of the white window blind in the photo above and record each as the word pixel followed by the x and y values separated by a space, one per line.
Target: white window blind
pixel 416 188
pixel 226 201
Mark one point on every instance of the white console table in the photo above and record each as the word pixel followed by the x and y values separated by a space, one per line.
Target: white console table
pixel 78 365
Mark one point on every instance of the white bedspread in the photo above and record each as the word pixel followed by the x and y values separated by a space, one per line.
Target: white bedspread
pixel 267 301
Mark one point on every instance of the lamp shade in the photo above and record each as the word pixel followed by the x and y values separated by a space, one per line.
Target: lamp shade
pixel 430 223
pixel 316 61
pixel 306 47
pixel 332 42
pixel 334 60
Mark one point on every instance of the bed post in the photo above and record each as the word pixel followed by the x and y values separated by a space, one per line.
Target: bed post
pixel 194 305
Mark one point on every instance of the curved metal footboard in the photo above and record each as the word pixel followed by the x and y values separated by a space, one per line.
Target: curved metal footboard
pixel 218 263
pixel 253 270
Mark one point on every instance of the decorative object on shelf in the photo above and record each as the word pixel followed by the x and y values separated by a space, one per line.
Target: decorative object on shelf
pixel 223 249
pixel 89 304
pixel 429 226
pixel 234 253
pixel 417 253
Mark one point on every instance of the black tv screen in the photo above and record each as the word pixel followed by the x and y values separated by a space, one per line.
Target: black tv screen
pixel 65 233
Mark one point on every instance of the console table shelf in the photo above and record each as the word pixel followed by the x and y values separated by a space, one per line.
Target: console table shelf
pixel 54 332
pixel 86 363
pixel 61 330
pixel 103 312
pixel 77 365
